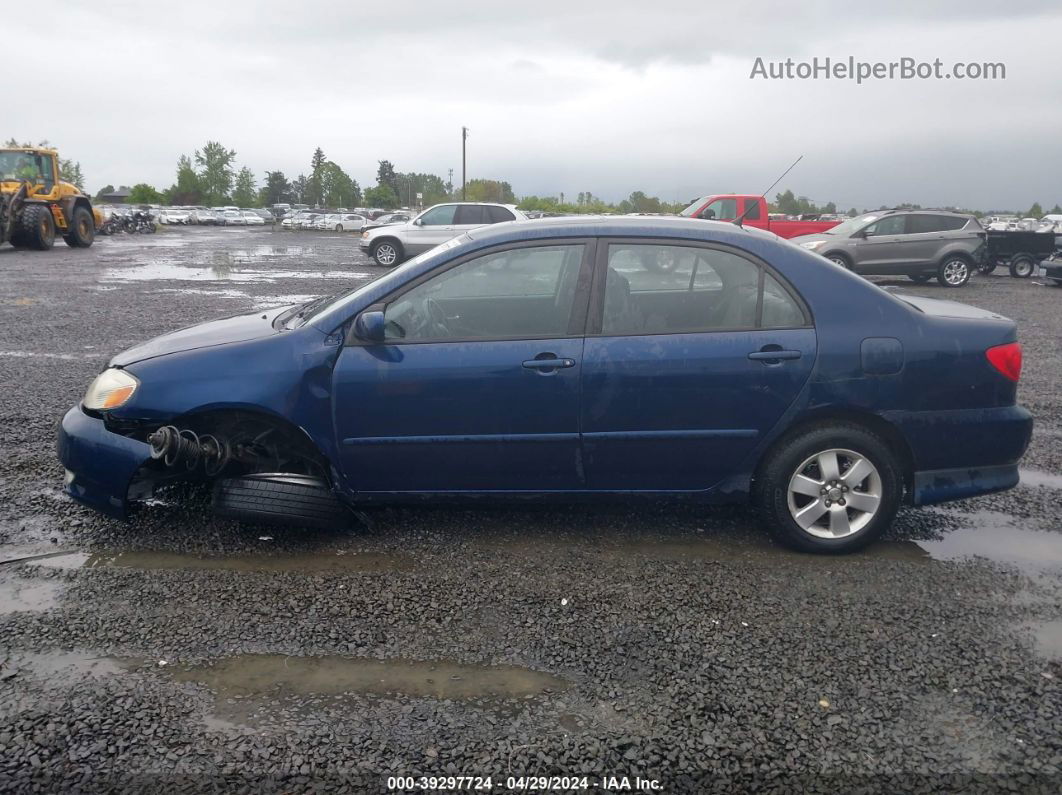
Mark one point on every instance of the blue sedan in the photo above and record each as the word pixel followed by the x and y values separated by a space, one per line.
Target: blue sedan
pixel 581 358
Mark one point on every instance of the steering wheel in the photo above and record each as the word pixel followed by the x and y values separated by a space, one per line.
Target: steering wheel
pixel 437 317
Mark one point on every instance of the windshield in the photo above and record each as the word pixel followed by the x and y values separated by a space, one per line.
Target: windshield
pixel 24 165
pixel 689 211
pixel 852 224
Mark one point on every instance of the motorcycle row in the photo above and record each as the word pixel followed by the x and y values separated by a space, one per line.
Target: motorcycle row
pixel 137 222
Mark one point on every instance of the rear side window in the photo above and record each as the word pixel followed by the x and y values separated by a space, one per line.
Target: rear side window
pixel 949 223
pixel 471 214
pixel 661 289
pixel 498 215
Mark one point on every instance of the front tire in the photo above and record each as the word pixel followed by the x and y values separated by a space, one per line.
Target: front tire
pixel 82 229
pixel 280 498
pixel 387 253
pixel 832 488
pixel 954 271
pixel 38 227
pixel 840 260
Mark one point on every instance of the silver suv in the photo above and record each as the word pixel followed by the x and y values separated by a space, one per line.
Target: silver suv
pixel 389 245
pixel 919 244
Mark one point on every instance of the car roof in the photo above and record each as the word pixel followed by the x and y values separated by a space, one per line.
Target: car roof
pixel 616 226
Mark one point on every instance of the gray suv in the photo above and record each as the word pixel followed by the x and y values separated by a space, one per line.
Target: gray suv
pixel 919 244
pixel 389 245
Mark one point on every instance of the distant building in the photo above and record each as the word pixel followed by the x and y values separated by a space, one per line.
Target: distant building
pixel 115 196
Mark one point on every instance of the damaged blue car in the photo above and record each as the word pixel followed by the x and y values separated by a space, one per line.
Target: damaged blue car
pixel 573 359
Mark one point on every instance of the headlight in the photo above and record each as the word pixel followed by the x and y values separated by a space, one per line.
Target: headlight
pixel 812 244
pixel 111 389
pixel 365 235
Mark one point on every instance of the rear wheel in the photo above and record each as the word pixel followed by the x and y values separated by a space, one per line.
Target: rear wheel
pixel 831 488
pixel 987 267
pixel 1022 266
pixel 387 253
pixel 38 227
pixel 280 498
pixel 953 272
pixel 82 229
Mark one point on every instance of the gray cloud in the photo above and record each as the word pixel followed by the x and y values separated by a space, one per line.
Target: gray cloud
pixel 559 96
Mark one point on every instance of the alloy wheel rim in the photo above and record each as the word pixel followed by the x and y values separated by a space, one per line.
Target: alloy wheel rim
pixel 955 272
pixel 839 261
pixel 834 493
pixel 385 254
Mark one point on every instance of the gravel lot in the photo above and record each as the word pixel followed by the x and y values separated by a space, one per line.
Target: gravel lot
pixel 185 652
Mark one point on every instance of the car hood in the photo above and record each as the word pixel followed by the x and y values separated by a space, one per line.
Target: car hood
pixel 216 332
pixel 811 238
pixel 943 308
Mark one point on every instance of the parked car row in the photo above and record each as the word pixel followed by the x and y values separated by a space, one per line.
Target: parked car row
pixel 217 216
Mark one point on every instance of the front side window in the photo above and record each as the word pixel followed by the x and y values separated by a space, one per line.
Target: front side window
pixel 661 289
pixel 526 292
pixel 889 225
pixel 439 216
pixel 721 210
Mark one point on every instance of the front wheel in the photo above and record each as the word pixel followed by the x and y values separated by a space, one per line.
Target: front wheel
pixel 280 498
pixel 1022 266
pixel 953 272
pixel 831 488
pixel 387 253
pixel 82 229
pixel 840 260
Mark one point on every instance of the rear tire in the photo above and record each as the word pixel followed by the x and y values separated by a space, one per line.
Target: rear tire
pixel 954 271
pixel 82 229
pixel 280 498
pixel 849 515
pixel 1022 267
pixel 38 227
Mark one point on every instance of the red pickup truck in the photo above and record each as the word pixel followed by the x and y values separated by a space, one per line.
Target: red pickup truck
pixel 728 207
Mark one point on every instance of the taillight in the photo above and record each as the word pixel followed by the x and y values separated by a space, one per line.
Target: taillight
pixel 1006 359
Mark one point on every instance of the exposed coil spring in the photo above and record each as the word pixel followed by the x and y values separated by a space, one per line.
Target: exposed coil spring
pixel 175 446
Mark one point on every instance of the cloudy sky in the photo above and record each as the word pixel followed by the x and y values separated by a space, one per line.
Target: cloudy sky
pixel 567 96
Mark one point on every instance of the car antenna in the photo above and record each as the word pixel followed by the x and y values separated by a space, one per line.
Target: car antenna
pixel 737 221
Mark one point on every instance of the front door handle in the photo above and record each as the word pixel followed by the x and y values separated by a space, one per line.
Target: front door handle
pixel 773 355
pixel 548 361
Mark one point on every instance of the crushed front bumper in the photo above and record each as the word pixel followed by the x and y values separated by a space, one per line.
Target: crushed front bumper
pixel 99 464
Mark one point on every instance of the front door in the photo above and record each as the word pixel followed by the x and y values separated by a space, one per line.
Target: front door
pixel 685 368
pixel 883 247
pixel 476 387
pixel 431 228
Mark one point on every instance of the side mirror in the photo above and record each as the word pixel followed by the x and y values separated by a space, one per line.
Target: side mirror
pixel 860 233
pixel 369 325
pixel 417 222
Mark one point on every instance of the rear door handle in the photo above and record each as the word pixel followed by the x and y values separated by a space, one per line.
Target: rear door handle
pixel 774 356
pixel 551 363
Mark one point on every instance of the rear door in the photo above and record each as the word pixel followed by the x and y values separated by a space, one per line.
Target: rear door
pixel 927 234
pixel 693 353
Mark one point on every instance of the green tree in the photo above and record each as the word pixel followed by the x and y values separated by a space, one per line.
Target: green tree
pixel 143 193
pixel 430 186
pixel 245 194
pixel 853 212
pixel 338 188
pixel 215 172
pixel 489 190
pixel 382 196
pixel 186 190
pixel 277 189
pixel 315 185
pixel 106 189
pixel 298 188
pixel 385 175
pixel 1036 211
pixel 1056 210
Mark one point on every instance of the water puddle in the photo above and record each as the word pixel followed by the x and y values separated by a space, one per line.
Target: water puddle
pixel 277 675
pixel 1032 477
pixel 303 562
pixel 18 595
pixel 754 550
pixel 993 538
pixel 61 667
pixel 66 357
pixel 159 271
pixel 1048 637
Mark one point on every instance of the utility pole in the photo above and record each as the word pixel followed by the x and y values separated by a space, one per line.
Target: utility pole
pixel 450 184
pixel 464 171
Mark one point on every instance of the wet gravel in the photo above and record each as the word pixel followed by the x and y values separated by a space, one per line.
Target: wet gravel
pixel 669 643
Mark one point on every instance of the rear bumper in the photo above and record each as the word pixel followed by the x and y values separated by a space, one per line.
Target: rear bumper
pixel 959 454
pixel 100 465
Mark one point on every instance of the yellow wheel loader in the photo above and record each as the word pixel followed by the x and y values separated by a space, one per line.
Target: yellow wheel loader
pixel 35 204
